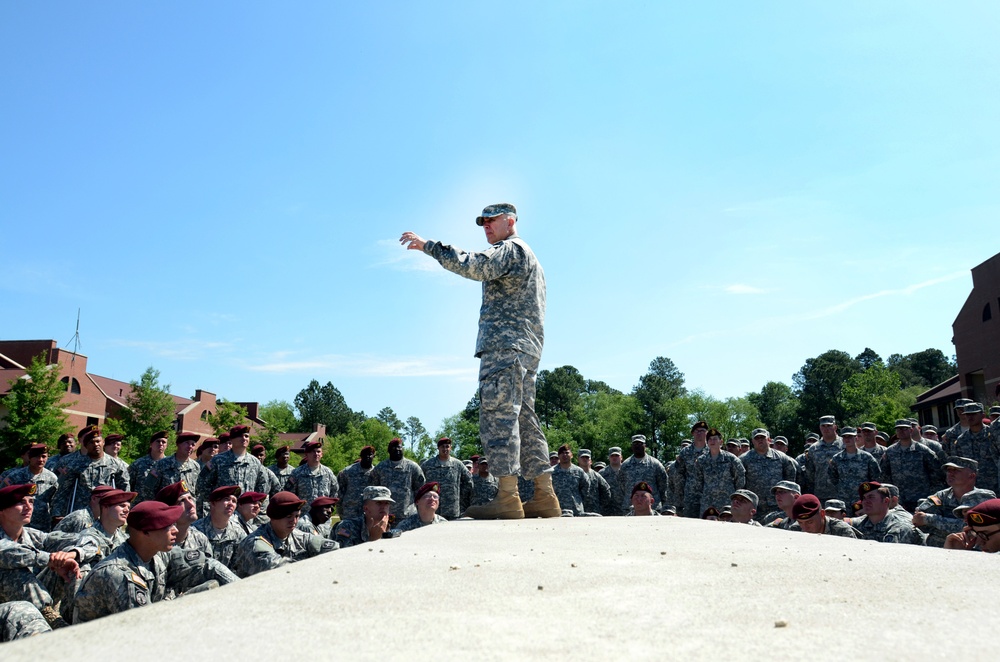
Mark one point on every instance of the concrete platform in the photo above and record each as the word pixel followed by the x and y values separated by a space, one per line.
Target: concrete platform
pixel 614 588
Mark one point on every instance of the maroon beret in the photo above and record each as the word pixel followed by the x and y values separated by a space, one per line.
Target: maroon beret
pixel 36 450
pixel 89 432
pixel 85 429
pixel 282 448
pixel 251 497
pixel 224 491
pixel 100 490
pixel 322 501
pixel 868 486
pixel 368 448
pixel 258 447
pixel 171 493
pixel 153 516
pixel 474 458
pixel 211 441
pixel 224 437
pixel 985 514
pixel 444 440
pixel 238 431
pixel 114 497
pixel 311 446
pixel 283 504
pixel 113 438
pixel 12 494
pixel 642 486
pixel 806 507
pixel 188 437
pixel 162 434
pixel 396 441
pixel 432 486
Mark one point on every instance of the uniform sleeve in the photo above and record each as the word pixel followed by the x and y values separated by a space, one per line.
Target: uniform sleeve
pixel 206 483
pixel 465 489
pixel 496 261
pixel 109 589
pixel 15 556
pixel 66 484
pixel 834 473
pixel 740 475
pixel 663 484
pixel 886 467
pixel 874 470
pixel 418 478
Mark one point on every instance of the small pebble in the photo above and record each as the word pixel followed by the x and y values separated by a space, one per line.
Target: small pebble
pixel 663 553
pixel 572 565
pixel 454 567
pixel 335 581
pixel 734 565
pixel 381 551
pixel 781 624
pixel 540 588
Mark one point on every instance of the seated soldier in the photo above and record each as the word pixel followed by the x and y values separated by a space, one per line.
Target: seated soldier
pixel 642 500
pixel 317 520
pixel 878 523
pixel 984 523
pixel 935 514
pixel 248 511
pixel 808 516
pixel 219 526
pixel 278 542
pixel 743 506
pixel 22 558
pixel 427 500
pixel 711 514
pixel 785 493
pixel 376 502
pixel 84 518
pixel 835 508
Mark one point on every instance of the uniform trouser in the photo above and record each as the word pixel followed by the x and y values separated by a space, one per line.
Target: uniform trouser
pixel 22 584
pixel 508 427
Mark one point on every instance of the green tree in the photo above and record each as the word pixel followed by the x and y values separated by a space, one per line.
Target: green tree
pixel 868 358
pixel 149 408
pixel 344 449
pixel 414 431
pixel 776 405
pixel 388 416
pixel 733 417
pixel 227 415
pixel 927 368
pixel 818 384
pixel 557 392
pixel 872 395
pixel 34 410
pixel 324 404
pixel 279 416
pixel 464 435
pixel 657 393
pixel 606 419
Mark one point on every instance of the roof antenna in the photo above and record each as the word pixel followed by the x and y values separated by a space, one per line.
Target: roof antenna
pixel 76 338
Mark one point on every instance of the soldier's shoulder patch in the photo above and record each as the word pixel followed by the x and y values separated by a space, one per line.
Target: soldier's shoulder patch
pixel 262 545
pixel 342 531
pixel 192 555
pixel 137 580
pixel 935 499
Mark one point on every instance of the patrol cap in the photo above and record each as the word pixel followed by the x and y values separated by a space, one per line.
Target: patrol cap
pixel 882 435
pixel 220 493
pixel 746 494
pixel 639 437
pixel 153 516
pixel 928 428
pixel 994 410
pixel 668 510
pixel 377 493
pixel 114 497
pixel 12 494
pixel 806 506
pixel 971 500
pixel 483 460
pixel 162 434
pixel 961 463
pixel 320 502
pixel 848 432
pixel 642 486
pixel 238 431
pixel 585 452
pixel 172 493
pixel 188 438
pixel 282 504
pixel 733 442
pixel 902 423
pixel 251 497
pixel 760 432
pixel 868 425
pixel 468 464
pixel 37 450
pixel 974 408
pixel 599 466
pixel 812 436
pixel 868 486
pixel 893 490
pixel 744 442
pixel 113 439
pixel 700 425
pixel 781 439
pixel 787 485
pixel 432 486
pixel 961 402
pixel 553 455
pixel 835 505
pixel 614 450
pixel 444 440
pixel 725 510
pixel 985 514
pixel 827 420
pixel 492 211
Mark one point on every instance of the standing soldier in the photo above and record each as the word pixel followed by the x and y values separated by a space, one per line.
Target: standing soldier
pixel 45 481
pixel 484 485
pixel 817 460
pixel 869 437
pixel 402 476
pixel 686 493
pixel 976 443
pixel 720 474
pixel 281 468
pixel 454 480
pixel 312 479
pixel 137 470
pixel 352 481
pixel 764 468
pixel 952 434
pixel 66 445
pixel 598 491
pixel 911 466
pixel 643 467
pixel 852 466
pixel 81 473
pixel 569 482
pixel 178 467
pixel 610 474
pixel 234 467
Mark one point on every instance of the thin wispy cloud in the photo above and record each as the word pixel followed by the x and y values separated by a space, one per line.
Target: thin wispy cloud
pixel 180 350
pixel 740 288
pixel 393 255
pixel 366 366
pixel 903 291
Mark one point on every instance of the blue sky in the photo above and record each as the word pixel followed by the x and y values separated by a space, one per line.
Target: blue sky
pixel 737 186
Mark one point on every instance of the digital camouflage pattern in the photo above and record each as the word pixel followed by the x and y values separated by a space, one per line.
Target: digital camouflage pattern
pixel 79 474
pixel 168 471
pixel 223 541
pixel 120 582
pixel 915 470
pixel 982 447
pixel 939 508
pixel 687 491
pixel 848 470
pixel 649 469
pixel 615 506
pixel 403 478
pixel 891 529
pixel 352 481
pixel 309 484
pixel 484 490
pixel 718 477
pixel 230 469
pixel 20 619
pixel 598 498
pixel 264 550
pixel 456 484
pixel 816 469
pixel 762 472
pixel 413 521
pixel 138 470
pixel 570 485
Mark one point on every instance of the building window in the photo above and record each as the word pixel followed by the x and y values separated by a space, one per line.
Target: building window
pixel 987 313
pixel 65 383
pixel 75 387
pixel 204 415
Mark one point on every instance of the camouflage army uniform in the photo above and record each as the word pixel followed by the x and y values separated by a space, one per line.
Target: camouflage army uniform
pixel 223 542
pixel 817 469
pixel 950 436
pixel 308 484
pixel 598 493
pixel 876 451
pixel 21 562
pixel 76 521
pixel 800 463
pixel 778 520
pixel 264 550
pixel 274 485
pixel 686 490
pixel 137 471
pixel 848 470
pixel 352 481
pixel 120 582
pixel 651 470
pixel 509 347
pixel 79 475
pixel 46 483
pixel 282 474
pixel 979 446
pixel 168 471
pixel 403 478
pixel 191 566
pixel 914 470
pixel 484 489
pixel 936 448
pixel 941 521
pixel 229 469
pixel 834 527
pixel 719 477
pixel 570 486
pixel 615 506
pixel 762 472
pixel 890 529
pixel 351 532
pixel 413 521
pixel 96 545
pixel 306 524
pixel 456 484
pixel 20 619
pixel 525 489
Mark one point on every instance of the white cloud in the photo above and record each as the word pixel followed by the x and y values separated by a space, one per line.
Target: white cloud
pixel 740 288
pixel 366 366
pixel 903 291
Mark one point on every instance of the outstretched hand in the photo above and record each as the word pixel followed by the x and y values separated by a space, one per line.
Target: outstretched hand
pixel 414 241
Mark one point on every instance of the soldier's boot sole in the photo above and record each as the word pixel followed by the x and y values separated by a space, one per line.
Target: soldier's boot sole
pixel 505 505
pixel 544 503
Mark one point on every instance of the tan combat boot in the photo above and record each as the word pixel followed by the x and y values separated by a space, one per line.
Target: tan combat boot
pixel 506 504
pixel 53 618
pixel 544 503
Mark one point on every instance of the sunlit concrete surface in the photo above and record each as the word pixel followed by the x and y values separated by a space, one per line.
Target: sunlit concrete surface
pixel 614 588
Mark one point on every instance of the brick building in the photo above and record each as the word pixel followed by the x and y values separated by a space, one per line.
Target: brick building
pixel 977 335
